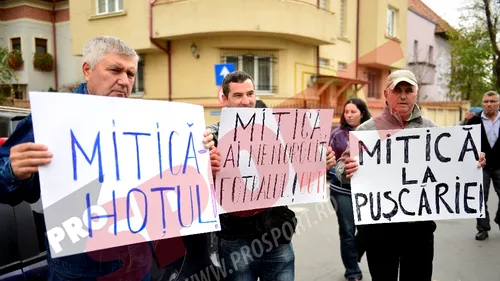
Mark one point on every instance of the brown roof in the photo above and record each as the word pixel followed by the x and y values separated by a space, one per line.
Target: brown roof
pixel 423 10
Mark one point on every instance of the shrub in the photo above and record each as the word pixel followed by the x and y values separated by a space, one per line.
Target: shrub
pixel 43 62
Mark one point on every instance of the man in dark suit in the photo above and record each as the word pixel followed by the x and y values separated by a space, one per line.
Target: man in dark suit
pixel 489 119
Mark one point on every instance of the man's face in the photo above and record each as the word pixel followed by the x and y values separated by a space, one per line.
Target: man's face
pixel 401 99
pixel 240 95
pixel 113 76
pixel 490 105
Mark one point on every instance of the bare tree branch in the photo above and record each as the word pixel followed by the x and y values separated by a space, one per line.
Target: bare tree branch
pixel 492 29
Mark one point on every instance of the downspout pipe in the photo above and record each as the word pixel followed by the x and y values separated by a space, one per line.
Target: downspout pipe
pixel 165 50
pixel 317 47
pixel 54 43
pixel 357 39
pixel 317 60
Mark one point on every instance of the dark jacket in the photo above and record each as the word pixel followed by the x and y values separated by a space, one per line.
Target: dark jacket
pixel 339 140
pixel 492 153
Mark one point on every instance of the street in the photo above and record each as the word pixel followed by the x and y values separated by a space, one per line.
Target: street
pixel 458 256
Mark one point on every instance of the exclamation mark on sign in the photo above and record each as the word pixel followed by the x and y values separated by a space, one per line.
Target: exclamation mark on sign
pixel 214 203
pixel 481 199
pixel 294 187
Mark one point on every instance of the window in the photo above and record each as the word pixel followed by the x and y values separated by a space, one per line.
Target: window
pixel 259 66
pixel 324 62
pixel 431 55
pixel 391 22
pixel 415 50
pixel 138 89
pixel 16 43
pixel 109 6
pixel 323 4
pixel 40 46
pixel 341 66
pixel 373 77
pixel 342 25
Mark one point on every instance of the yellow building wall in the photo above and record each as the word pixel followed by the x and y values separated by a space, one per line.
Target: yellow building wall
pixel 293 19
pixel 156 76
pixel 131 25
pixel 373 22
pixel 401 28
pixel 344 49
pixel 193 80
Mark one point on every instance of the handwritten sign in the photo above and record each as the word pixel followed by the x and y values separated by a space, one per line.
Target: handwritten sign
pixel 417 174
pixel 272 157
pixel 124 171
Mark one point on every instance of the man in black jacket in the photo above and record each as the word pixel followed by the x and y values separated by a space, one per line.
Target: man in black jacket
pixel 241 232
pixel 490 145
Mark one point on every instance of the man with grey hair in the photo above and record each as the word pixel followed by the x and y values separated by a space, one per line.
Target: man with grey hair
pixel 109 69
pixel 405 248
pixel 490 145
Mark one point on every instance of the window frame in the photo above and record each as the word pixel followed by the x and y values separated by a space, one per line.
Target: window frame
pixel 342 18
pixel 12 39
pixel 255 75
pixel 323 4
pixel 46 45
pixel 324 62
pixel 135 87
pixel 342 66
pixel 391 14
pixel 375 76
pixel 117 7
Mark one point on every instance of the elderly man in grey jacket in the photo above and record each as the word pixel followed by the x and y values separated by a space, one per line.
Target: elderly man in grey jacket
pixel 407 247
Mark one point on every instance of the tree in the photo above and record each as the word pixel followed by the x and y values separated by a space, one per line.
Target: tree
pixel 471 63
pixel 485 14
pixel 7 74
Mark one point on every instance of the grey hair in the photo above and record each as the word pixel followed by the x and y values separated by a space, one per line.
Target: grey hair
pixel 96 48
pixel 491 94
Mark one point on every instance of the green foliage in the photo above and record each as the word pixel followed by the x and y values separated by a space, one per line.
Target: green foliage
pixel 471 64
pixel 16 59
pixel 43 62
pixel 7 74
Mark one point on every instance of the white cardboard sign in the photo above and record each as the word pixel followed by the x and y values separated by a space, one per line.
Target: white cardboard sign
pixel 272 157
pixel 124 171
pixel 417 174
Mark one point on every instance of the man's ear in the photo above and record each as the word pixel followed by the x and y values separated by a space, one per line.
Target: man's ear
pixel 87 70
pixel 386 92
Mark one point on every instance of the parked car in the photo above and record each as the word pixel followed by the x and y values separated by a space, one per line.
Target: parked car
pixel 22 228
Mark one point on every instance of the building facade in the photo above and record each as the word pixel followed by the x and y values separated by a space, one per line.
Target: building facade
pixel 371 37
pixel 300 52
pixel 40 30
pixel 428 51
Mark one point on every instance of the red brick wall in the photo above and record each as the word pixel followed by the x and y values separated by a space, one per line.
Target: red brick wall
pixel 34 13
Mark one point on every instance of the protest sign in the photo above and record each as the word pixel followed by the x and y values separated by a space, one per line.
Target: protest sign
pixel 272 157
pixel 417 174
pixel 124 171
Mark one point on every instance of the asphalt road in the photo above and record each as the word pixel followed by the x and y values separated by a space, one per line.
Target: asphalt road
pixel 458 256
